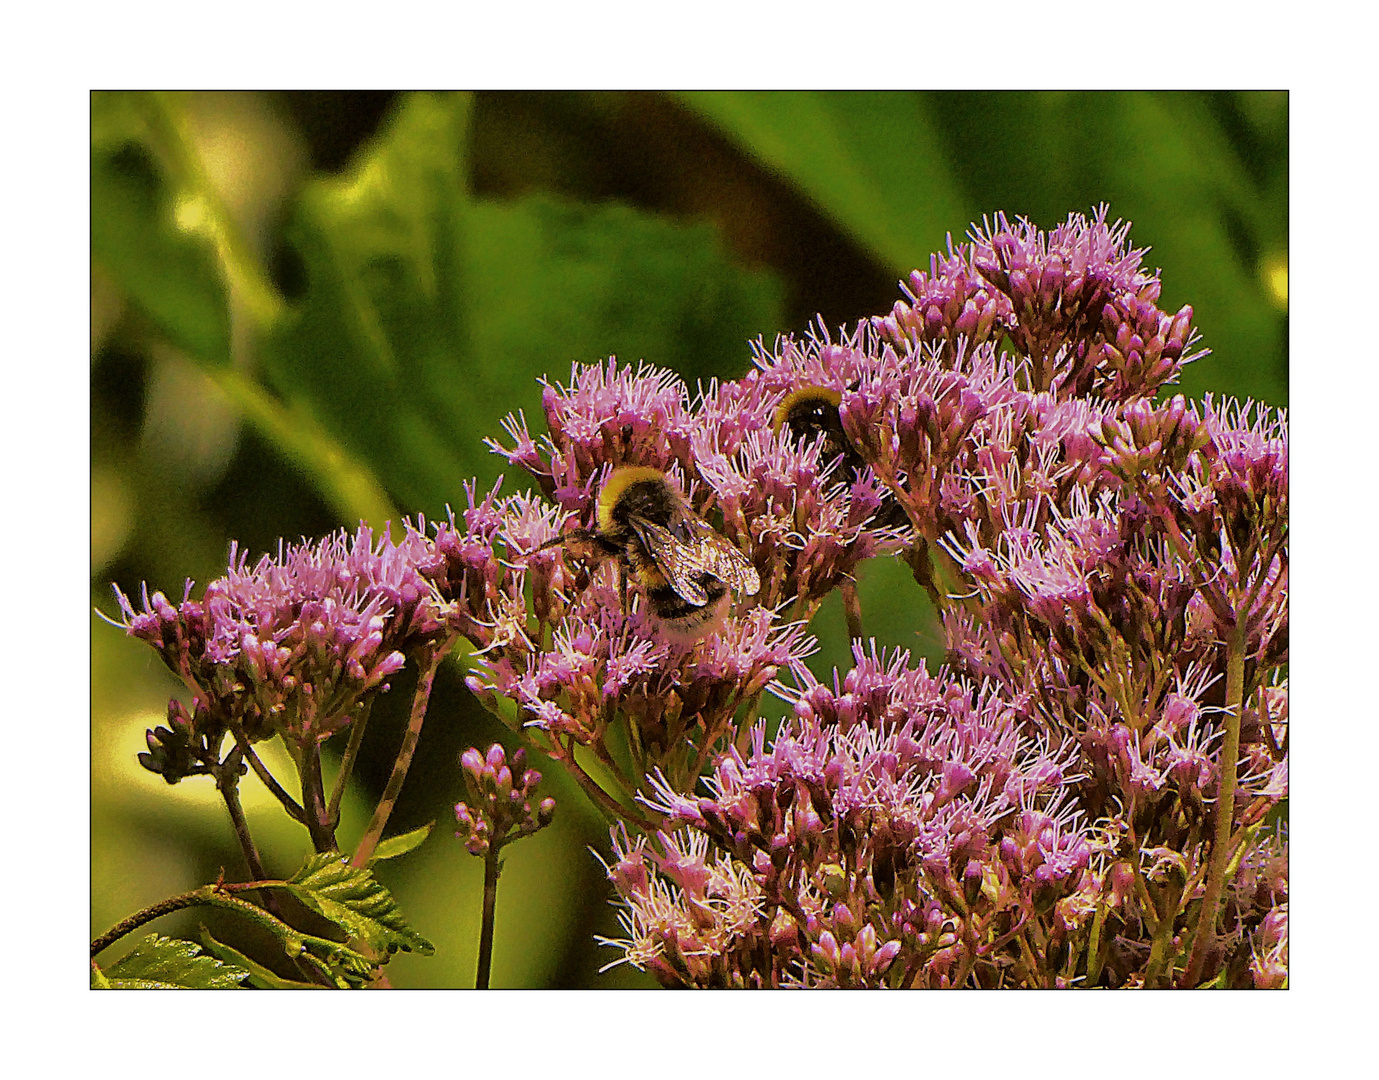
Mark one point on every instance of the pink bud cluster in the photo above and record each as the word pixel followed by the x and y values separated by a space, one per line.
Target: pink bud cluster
pixel 501 791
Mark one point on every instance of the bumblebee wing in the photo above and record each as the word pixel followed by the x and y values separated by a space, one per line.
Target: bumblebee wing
pixel 679 562
pixel 717 554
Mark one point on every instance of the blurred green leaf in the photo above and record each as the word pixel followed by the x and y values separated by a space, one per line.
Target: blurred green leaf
pixel 873 161
pixel 354 900
pixel 394 846
pixel 157 256
pixel 345 482
pixel 1204 219
pixel 162 963
pixel 381 309
pixel 428 317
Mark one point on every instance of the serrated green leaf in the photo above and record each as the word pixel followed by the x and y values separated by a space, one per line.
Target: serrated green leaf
pixel 872 161
pixel 394 846
pixel 145 237
pixel 353 899
pixel 259 975
pixel 162 963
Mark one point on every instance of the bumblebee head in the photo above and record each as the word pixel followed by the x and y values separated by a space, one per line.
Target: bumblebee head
pixel 810 413
pixel 634 489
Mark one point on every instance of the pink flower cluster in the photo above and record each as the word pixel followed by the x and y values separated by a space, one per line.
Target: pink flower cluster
pixel 901 830
pixel 1086 794
pixel 1112 570
pixel 293 644
pixel 501 790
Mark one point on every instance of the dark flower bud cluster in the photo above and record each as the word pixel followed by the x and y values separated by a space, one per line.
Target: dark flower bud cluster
pixel 183 748
pixel 501 791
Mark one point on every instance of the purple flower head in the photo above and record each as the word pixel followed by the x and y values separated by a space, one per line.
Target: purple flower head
pixel 501 791
pixel 729 412
pixel 690 917
pixel 803 522
pixel 873 817
pixel 1143 441
pixel 606 665
pixel 913 421
pixel 1245 465
pixel 607 417
pixel 1084 309
pixel 295 644
pixel 951 301
pixel 1257 908
pixel 1269 951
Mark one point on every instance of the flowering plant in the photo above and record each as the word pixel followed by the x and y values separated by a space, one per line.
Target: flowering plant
pixel 1088 792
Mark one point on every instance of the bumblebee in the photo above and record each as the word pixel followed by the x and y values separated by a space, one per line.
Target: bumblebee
pixel 682 565
pixel 810 413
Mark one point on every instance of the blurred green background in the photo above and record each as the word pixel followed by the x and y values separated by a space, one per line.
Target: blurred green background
pixel 309 308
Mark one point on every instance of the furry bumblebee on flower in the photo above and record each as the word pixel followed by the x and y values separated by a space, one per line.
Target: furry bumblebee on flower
pixel 1090 791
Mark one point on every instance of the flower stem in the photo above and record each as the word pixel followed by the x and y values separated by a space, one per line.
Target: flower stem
pixel 207 895
pixel 268 780
pixel 347 762
pixel 1225 806
pixel 492 868
pixel 612 809
pixel 227 783
pixel 1158 948
pixel 1094 957
pixel 314 799
pixel 147 915
pixel 430 661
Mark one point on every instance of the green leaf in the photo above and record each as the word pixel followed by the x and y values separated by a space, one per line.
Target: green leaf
pixel 1173 172
pixel 428 316
pixel 354 900
pixel 551 283
pixel 145 233
pixel 259 975
pixel 162 963
pixel 874 162
pixel 394 846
